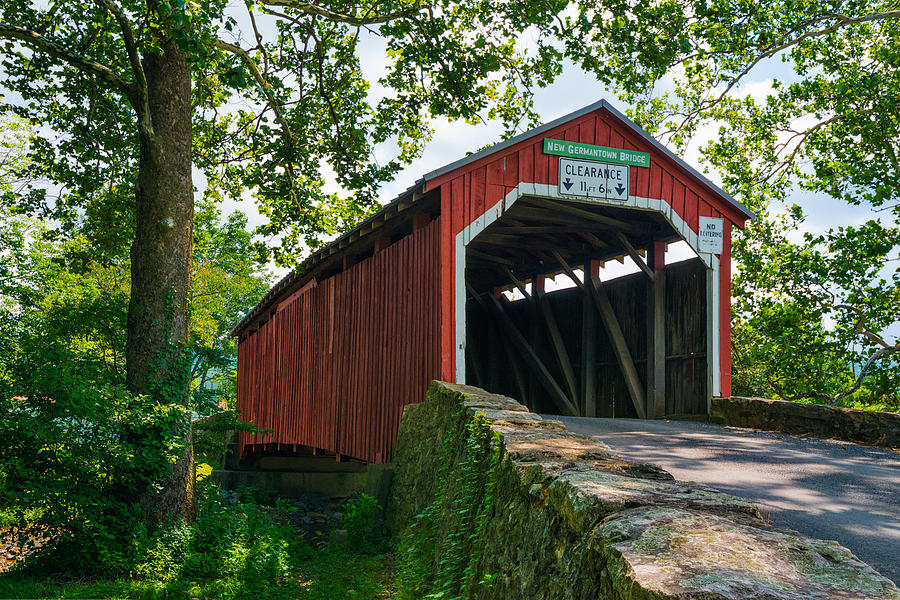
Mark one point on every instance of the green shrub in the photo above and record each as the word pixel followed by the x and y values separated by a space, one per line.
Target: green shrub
pixel 364 522
pixel 73 465
pixel 231 541
pixel 237 548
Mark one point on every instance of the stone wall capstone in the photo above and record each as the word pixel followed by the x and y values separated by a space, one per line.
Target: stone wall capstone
pixel 868 427
pixel 491 501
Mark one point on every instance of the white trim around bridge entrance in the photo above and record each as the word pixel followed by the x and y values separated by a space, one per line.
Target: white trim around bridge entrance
pixel 539 190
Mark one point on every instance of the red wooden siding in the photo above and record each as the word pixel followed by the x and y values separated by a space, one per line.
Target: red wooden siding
pixel 335 365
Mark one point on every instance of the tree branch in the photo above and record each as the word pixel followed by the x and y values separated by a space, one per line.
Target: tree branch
pixel 38 42
pixel 860 326
pixel 264 85
pixel 861 329
pixel 882 352
pixel 803 135
pixel 842 21
pixel 771 50
pixel 141 99
pixel 356 21
pixel 130 44
pixel 273 102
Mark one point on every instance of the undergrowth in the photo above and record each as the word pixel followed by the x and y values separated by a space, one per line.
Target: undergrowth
pixel 237 548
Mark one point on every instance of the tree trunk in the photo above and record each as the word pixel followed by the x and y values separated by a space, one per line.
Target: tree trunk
pixel 161 267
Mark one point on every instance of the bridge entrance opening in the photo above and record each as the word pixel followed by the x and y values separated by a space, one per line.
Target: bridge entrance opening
pixel 572 309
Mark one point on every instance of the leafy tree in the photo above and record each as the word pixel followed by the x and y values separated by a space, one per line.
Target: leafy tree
pixel 78 450
pixel 79 304
pixel 136 92
pixel 784 294
pixel 227 283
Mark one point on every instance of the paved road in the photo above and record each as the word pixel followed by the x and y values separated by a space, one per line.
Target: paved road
pixel 825 489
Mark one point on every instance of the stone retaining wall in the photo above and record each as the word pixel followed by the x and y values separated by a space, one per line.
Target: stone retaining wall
pixel 868 427
pixel 538 512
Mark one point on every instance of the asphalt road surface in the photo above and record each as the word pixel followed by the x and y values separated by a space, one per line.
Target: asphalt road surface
pixel 826 489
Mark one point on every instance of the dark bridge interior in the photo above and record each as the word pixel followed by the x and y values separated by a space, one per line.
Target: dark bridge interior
pixel 634 346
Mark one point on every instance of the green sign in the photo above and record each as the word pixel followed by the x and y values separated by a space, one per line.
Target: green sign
pixel 591 152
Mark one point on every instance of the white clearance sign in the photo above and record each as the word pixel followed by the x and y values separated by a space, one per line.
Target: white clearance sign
pixel 592 179
pixel 711 233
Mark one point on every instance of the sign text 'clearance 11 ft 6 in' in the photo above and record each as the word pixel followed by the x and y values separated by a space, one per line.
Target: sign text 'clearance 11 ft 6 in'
pixel 591 171
pixel 592 179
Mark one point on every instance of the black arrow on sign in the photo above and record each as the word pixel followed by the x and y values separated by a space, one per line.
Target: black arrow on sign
pixel 620 188
pixel 567 183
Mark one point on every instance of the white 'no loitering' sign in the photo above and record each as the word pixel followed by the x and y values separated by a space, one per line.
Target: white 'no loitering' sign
pixel 711 232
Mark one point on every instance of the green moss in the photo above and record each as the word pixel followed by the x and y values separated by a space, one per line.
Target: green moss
pixel 826 564
pixel 654 540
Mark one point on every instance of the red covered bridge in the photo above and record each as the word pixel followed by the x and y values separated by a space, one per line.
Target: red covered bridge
pixel 448 282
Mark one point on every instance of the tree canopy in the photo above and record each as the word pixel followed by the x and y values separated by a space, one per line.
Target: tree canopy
pixel 270 101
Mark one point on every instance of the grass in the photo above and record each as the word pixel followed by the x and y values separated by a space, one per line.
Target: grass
pixel 319 575
pixel 238 548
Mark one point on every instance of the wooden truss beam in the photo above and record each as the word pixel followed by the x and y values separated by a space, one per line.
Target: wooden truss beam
pixel 556 229
pixel 519 285
pixel 574 211
pixel 593 240
pixel 634 255
pixel 559 347
pixel 568 270
pixel 489 257
pixel 516 369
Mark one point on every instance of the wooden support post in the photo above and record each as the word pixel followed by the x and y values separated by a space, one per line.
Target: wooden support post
pixel 534 338
pixel 623 355
pixel 656 333
pixel 555 392
pixel 589 344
